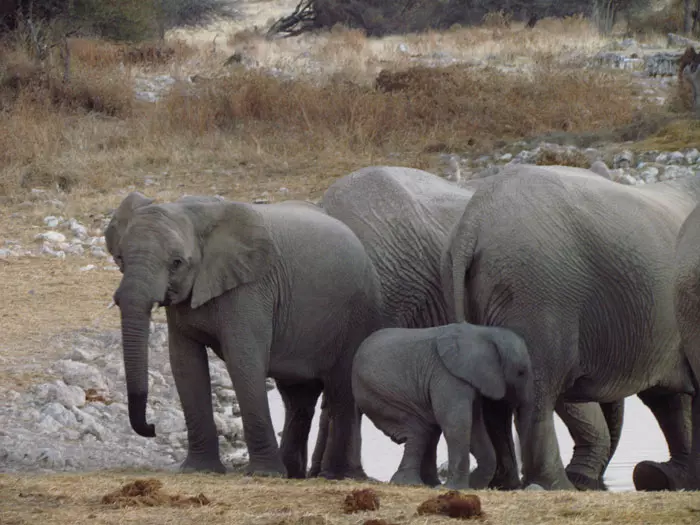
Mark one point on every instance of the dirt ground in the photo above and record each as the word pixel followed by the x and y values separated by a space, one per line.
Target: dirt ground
pixel 77 498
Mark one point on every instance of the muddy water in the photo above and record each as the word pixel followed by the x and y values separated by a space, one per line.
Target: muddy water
pixel 641 439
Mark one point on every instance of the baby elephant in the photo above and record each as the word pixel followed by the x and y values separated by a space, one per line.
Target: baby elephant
pixel 414 383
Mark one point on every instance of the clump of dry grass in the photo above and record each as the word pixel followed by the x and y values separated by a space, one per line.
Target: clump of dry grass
pixel 675 135
pixel 148 493
pixel 573 158
pixel 410 109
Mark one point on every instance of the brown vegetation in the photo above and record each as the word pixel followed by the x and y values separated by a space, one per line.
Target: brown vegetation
pixel 453 504
pixel 147 493
pixel 359 500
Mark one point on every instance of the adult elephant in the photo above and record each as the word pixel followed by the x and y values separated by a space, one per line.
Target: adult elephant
pixel 581 267
pixel 279 291
pixel 403 217
pixel 686 292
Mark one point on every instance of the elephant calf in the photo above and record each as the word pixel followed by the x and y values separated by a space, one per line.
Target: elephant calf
pixel 415 383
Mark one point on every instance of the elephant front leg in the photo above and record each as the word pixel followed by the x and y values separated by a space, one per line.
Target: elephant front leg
pixel 672 411
pixel 482 449
pixel 246 351
pixel 190 367
pixel 589 430
pixel 542 463
pixel 456 425
pixel 417 445
pixel 300 403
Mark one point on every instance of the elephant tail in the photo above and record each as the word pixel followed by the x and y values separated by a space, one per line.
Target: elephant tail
pixel 456 260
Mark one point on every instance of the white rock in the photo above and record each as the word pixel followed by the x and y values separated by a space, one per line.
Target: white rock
pixel 662 158
pixel 96 251
pixel 692 156
pixel 51 236
pixel 75 249
pixel 623 159
pixel 87 268
pixel 650 174
pixel 60 414
pixel 51 459
pixel 67 395
pixel 676 172
pixel 81 374
pixel 51 221
pixel 506 157
pixel 5 253
pixel 78 229
pixel 676 158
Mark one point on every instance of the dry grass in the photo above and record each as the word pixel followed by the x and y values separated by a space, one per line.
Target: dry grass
pixel 674 136
pixel 74 498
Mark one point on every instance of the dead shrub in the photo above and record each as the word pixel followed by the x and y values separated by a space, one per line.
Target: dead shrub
pixel 408 108
pixel 573 158
pixel 147 493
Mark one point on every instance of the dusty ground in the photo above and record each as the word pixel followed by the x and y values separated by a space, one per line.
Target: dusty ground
pixel 237 500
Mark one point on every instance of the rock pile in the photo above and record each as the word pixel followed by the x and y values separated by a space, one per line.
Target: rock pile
pixel 80 420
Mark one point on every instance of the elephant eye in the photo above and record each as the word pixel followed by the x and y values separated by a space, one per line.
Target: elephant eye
pixel 177 262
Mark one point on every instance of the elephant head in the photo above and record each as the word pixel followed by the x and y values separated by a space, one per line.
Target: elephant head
pixel 496 363
pixel 186 252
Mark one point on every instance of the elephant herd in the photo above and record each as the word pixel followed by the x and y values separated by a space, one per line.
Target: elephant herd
pixel 433 309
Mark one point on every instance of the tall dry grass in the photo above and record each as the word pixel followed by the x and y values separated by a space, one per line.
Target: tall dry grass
pixel 364 101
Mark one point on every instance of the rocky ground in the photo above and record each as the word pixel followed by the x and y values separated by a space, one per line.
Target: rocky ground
pixel 79 421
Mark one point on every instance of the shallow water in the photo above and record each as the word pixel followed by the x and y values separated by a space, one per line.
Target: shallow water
pixel 641 439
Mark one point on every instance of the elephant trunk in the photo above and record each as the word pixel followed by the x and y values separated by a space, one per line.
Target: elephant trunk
pixel 135 321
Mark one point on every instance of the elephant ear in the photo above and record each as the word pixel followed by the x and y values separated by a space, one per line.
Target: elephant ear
pixel 474 360
pixel 236 249
pixel 123 214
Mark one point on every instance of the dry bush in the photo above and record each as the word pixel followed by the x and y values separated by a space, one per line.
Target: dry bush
pixel 497 20
pixel 412 108
pixel 646 23
pixel 574 158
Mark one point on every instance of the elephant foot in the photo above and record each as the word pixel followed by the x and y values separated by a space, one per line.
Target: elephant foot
pixel 431 481
pixel 202 464
pixel 265 469
pixel 652 476
pixel 457 484
pixel 583 482
pixel 505 481
pixel 357 473
pixel 405 477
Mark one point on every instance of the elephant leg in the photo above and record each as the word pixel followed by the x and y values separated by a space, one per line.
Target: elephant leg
pixel 498 418
pixel 321 441
pixel 190 367
pixel 456 424
pixel 418 441
pixel 541 456
pixel 300 403
pixel 589 430
pixel 340 459
pixel 673 412
pixel 246 349
pixel 482 449
pixel 428 467
pixel 614 413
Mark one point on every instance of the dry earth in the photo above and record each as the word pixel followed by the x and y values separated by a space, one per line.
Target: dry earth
pixel 72 498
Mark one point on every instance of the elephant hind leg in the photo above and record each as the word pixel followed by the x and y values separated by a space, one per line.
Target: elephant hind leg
pixel 482 450
pixel 428 467
pixel 589 430
pixel 300 404
pixel 672 411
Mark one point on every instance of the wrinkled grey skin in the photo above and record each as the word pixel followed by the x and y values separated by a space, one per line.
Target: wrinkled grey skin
pixel 582 269
pixel 279 291
pixel 403 217
pixel 686 296
pixel 416 383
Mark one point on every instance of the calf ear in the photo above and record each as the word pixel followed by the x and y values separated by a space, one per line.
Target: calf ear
pixel 122 215
pixel 472 359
